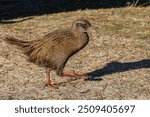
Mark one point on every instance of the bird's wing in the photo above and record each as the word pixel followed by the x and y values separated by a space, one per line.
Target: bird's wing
pixel 48 43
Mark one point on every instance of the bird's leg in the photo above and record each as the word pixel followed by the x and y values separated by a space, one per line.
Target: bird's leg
pixel 48 77
pixel 74 74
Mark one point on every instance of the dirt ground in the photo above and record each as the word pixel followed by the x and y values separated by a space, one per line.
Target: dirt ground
pixel 117 57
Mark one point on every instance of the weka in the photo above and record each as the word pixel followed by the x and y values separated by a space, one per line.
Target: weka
pixel 53 50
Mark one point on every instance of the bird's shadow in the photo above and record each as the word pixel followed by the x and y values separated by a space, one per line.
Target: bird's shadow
pixel 114 67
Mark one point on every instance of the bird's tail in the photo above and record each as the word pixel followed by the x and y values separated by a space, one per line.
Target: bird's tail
pixel 17 42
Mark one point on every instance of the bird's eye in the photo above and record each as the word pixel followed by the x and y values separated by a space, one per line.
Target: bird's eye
pixel 84 25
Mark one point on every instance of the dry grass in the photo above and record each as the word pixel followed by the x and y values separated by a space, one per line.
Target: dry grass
pixel 123 36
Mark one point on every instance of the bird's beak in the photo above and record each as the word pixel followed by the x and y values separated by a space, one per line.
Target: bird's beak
pixel 91 29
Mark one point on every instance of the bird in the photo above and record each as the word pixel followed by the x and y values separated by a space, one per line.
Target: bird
pixel 53 50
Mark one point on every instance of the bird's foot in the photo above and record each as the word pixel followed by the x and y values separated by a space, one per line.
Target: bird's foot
pixel 51 85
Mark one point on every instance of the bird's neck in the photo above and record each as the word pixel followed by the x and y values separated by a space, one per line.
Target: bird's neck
pixel 81 38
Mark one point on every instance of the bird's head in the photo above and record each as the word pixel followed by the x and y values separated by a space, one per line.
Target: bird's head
pixel 82 25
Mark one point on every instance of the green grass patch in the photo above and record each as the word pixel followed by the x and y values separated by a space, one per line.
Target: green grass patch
pixel 144 36
pixel 116 28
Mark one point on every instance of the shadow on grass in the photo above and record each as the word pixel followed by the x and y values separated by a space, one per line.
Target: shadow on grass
pixel 114 67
